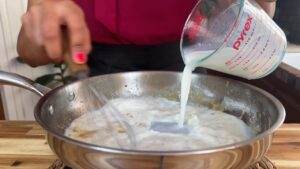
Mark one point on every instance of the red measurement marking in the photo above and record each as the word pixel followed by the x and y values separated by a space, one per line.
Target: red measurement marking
pixel 262 65
pixel 268 61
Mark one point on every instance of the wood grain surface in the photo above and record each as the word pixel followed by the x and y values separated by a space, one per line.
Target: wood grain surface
pixel 23 146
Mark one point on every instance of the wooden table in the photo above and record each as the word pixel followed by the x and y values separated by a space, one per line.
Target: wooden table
pixel 23 145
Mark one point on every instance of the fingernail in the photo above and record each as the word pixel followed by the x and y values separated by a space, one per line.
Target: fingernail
pixel 79 58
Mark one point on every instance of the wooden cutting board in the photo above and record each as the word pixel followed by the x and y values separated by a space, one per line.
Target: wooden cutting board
pixel 23 146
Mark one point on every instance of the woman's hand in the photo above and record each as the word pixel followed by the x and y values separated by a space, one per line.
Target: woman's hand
pixel 269 7
pixel 40 40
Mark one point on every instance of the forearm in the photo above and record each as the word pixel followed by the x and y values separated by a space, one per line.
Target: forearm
pixel 269 7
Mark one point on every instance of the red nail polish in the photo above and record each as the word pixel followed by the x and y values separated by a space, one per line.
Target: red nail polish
pixel 79 58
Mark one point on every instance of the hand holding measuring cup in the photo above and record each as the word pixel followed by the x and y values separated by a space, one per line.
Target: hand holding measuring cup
pixel 236 37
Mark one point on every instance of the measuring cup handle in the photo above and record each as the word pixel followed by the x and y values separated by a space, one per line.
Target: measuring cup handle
pixel 13 79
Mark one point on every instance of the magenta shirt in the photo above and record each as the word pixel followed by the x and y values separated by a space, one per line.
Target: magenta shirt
pixel 139 22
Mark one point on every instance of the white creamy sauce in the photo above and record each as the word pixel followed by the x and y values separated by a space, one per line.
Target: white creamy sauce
pixel 209 128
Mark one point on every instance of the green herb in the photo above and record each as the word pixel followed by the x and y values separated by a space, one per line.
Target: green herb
pixel 59 78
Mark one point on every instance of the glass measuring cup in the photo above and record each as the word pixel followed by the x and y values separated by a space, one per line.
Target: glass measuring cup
pixel 232 36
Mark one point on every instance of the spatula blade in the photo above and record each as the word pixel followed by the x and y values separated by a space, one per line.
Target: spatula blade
pixel 169 127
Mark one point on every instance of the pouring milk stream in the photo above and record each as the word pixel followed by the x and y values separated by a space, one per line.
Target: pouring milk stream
pixel 231 36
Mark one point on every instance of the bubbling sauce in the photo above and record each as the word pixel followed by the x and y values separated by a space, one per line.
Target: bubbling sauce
pixel 209 128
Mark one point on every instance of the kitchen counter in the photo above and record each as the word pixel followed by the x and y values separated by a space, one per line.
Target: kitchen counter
pixel 23 146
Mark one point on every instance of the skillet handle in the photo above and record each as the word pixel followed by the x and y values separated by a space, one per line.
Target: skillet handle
pixel 13 79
